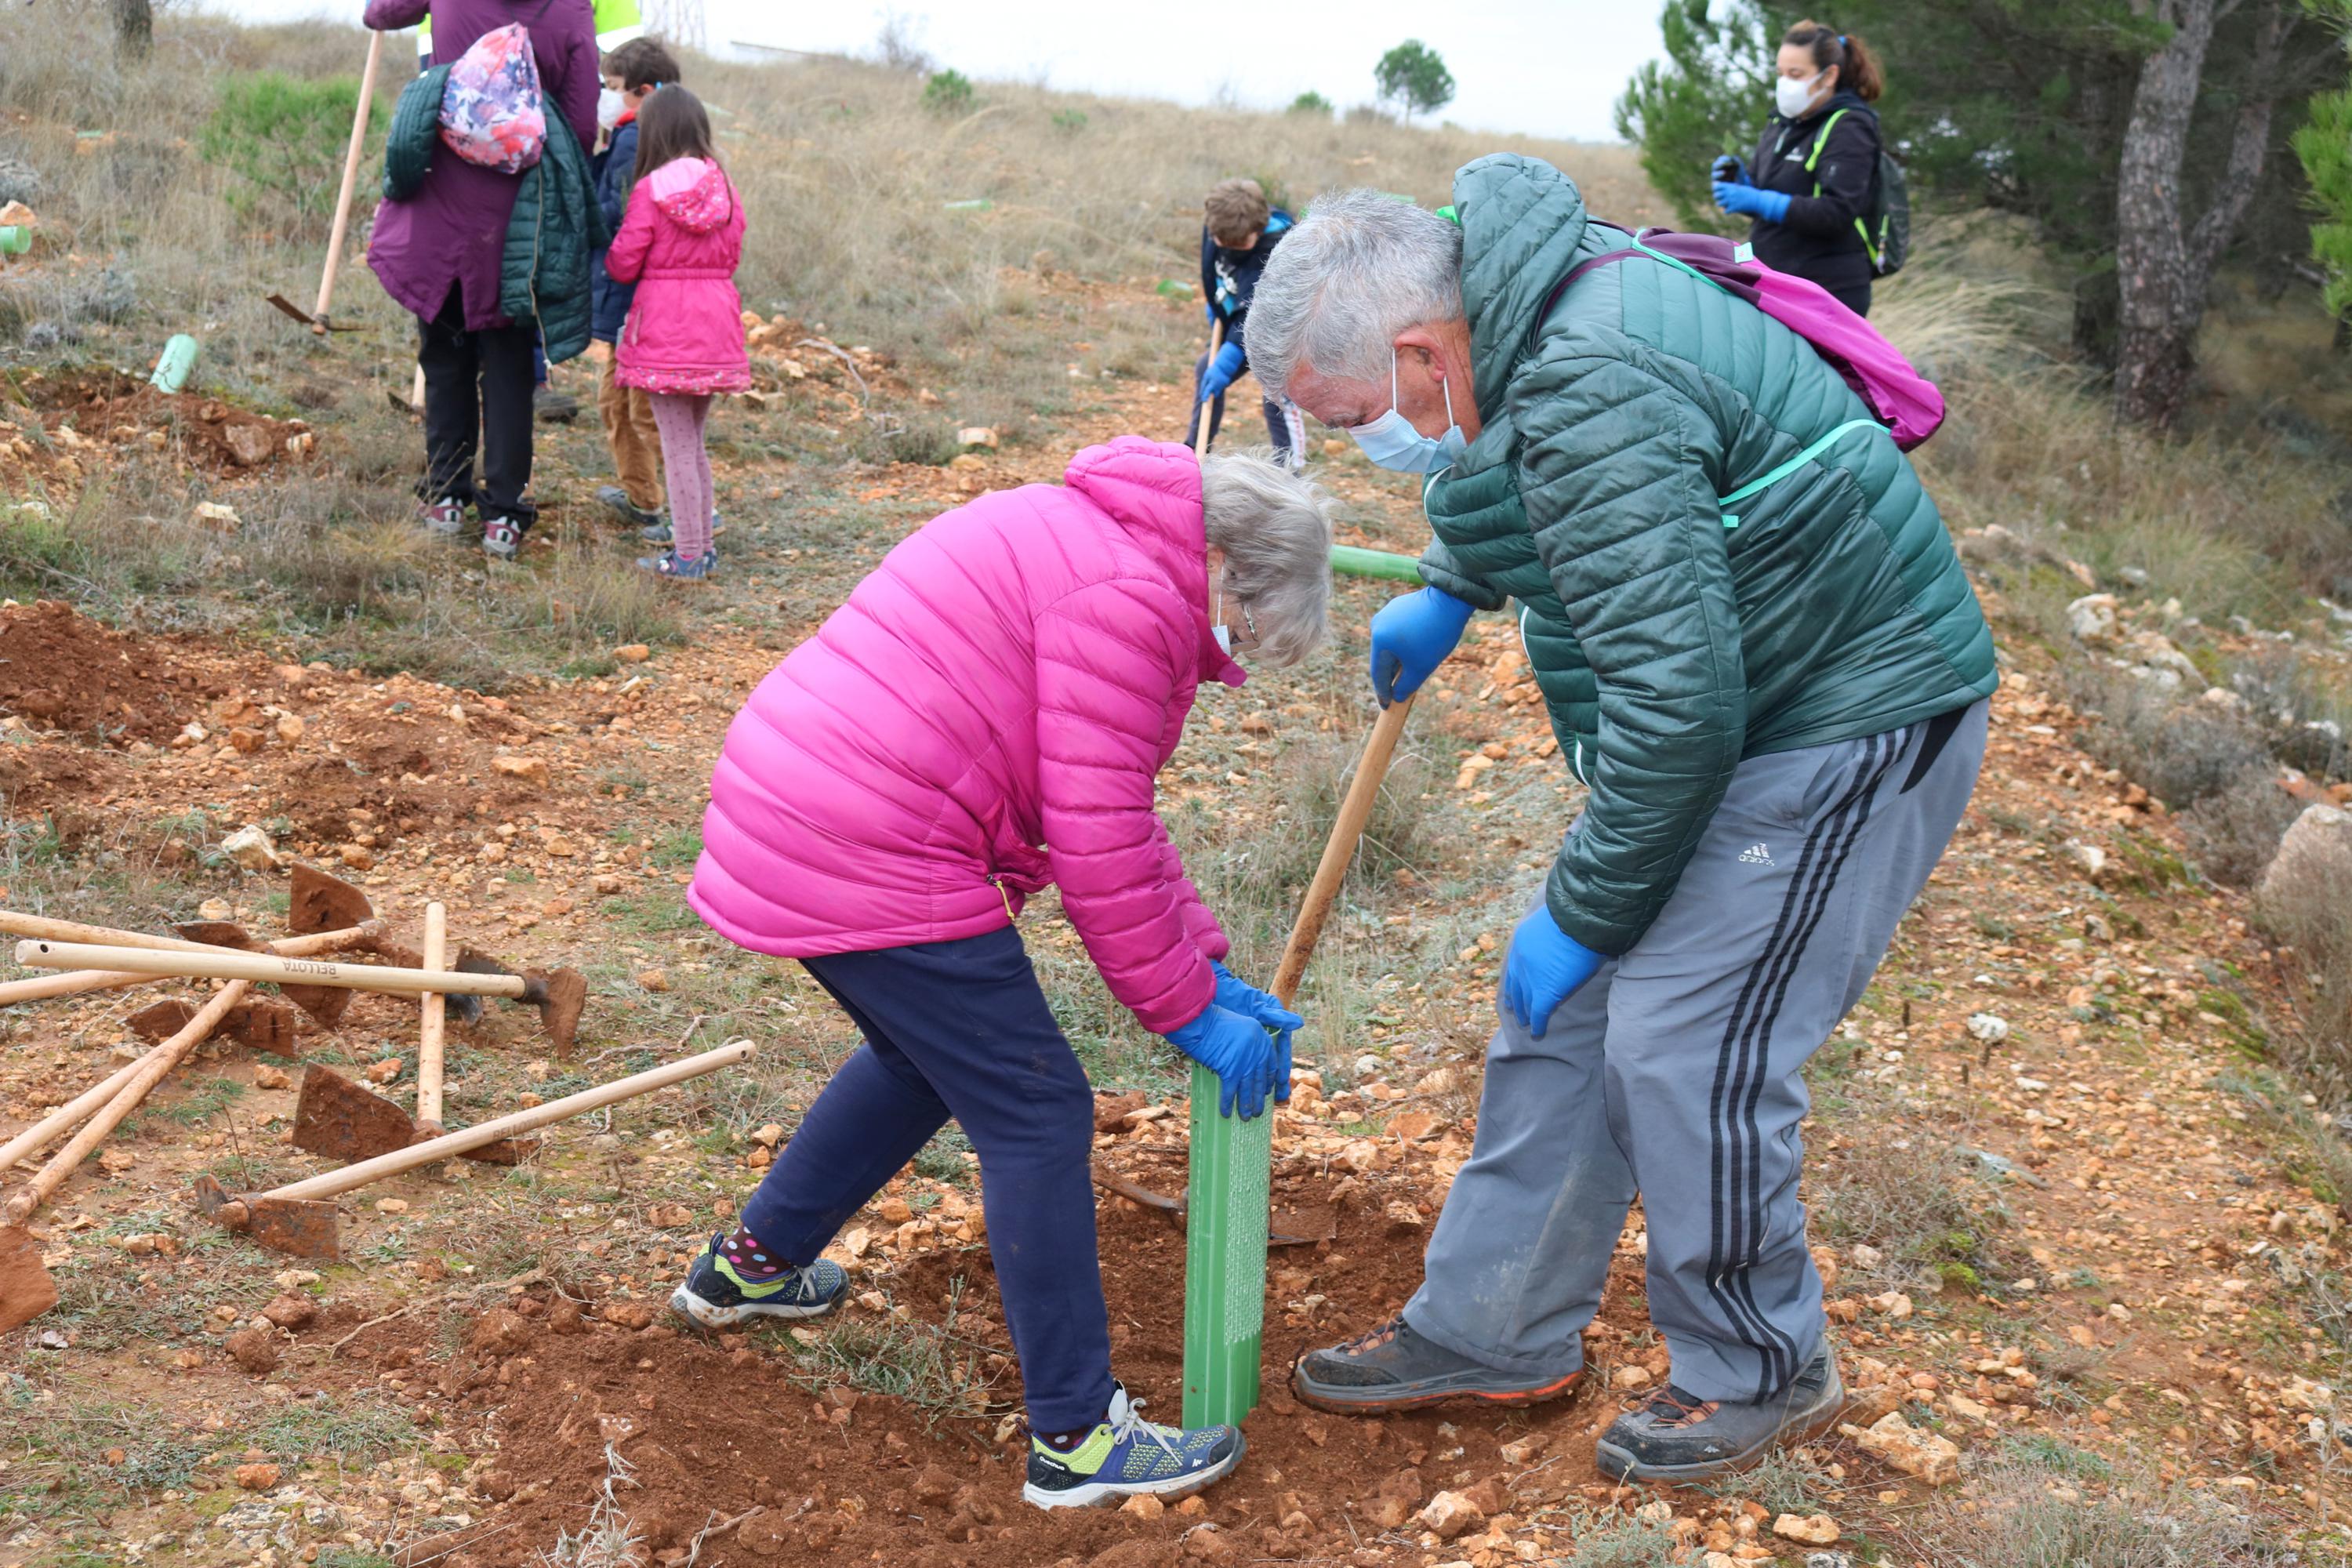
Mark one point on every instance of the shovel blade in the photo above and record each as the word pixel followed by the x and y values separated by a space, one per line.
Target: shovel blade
pixel 337 1118
pixel 299 1226
pixel 318 903
pixel 567 994
pixel 291 309
pixel 324 1003
pixel 260 1023
pixel 26 1288
pixel 215 933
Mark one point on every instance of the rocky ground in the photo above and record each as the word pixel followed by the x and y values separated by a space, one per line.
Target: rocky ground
pixel 2077 1272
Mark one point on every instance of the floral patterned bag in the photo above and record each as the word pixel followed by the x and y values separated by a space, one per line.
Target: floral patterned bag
pixel 491 111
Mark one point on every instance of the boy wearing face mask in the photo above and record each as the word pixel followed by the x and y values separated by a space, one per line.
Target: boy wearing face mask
pixel 1815 174
pixel 632 71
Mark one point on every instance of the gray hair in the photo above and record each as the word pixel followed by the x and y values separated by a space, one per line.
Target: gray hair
pixel 1360 268
pixel 1276 531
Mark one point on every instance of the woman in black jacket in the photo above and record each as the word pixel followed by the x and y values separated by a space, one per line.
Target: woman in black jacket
pixel 1815 177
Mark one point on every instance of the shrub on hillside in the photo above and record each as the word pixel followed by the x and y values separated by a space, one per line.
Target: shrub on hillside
pixel 948 92
pixel 285 140
pixel 1310 102
pixel 2178 751
pixel 2232 833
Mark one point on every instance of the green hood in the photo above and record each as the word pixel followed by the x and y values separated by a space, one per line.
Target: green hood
pixel 1523 227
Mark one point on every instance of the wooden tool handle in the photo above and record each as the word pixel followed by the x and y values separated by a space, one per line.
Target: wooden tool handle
pixel 72 982
pixel 149 1072
pixel 1355 810
pixel 14 923
pixel 571 1105
pixel 350 182
pixel 429 1036
pixel 1201 415
pixel 38 1135
pixel 226 965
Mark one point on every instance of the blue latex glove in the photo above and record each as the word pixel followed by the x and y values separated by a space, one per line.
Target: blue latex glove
pixel 1411 638
pixel 1729 171
pixel 1238 995
pixel 1238 1050
pixel 1542 970
pixel 1772 206
pixel 1221 372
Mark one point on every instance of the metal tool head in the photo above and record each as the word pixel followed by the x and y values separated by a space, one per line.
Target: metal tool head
pixel 215 933
pixel 318 903
pixel 559 994
pixel 305 1228
pixel 26 1288
pixel 261 1024
pixel 459 1007
pixel 337 1118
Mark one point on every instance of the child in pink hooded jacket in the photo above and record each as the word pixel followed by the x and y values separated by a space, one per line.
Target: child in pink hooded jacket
pixel 680 241
pixel 985 716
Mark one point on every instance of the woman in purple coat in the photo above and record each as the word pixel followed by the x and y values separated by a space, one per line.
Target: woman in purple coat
pixel 438 254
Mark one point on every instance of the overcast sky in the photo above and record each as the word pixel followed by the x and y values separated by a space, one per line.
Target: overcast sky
pixel 1543 68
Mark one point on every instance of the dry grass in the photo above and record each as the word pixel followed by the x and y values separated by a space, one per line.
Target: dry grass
pixel 2025 1515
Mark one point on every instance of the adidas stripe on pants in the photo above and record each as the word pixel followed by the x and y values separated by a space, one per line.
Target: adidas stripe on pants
pixel 1675 1073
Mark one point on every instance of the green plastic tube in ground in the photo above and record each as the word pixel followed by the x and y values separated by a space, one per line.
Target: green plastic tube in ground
pixel 1355 561
pixel 1227 1211
pixel 178 359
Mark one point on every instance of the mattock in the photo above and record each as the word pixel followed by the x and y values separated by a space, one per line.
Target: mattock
pixel 337 1118
pixel 298 1219
pixel 26 1288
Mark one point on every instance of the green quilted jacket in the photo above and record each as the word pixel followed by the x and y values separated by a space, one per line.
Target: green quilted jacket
pixel 1670 637
pixel 558 225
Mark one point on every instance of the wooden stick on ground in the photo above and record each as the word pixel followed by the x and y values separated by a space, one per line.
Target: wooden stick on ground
pixel 74 982
pixel 1355 811
pixel 223 963
pixel 38 1135
pixel 149 1072
pixel 429 1035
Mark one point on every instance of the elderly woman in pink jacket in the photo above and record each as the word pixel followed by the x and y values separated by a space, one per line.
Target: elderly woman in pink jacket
pixel 984 717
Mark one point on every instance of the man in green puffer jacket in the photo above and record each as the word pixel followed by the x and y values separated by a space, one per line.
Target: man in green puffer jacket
pixel 1780 709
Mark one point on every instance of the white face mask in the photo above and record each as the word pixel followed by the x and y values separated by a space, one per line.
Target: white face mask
pixel 609 105
pixel 1222 631
pixel 1792 97
pixel 1391 442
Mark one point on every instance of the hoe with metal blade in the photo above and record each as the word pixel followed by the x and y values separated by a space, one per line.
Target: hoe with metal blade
pixel 358 934
pixel 298 1219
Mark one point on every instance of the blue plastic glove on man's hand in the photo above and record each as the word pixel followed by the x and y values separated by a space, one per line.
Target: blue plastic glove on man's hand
pixel 1238 1050
pixel 1238 995
pixel 1411 638
pixel 1729 171
pixel 1221 372
pixel 1542 970
pixel 1754 201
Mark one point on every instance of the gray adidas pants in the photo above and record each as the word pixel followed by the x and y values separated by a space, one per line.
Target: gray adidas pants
pixel 1675 1073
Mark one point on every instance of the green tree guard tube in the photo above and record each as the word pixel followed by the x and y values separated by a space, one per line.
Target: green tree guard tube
pixel 1354 561
pixel 1226 1212
pixel 178 359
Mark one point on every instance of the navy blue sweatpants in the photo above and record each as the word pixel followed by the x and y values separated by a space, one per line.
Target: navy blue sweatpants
pixel 960 1029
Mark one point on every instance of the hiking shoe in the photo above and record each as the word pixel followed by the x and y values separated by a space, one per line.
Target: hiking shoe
pixel 446 516
pixel 502 538
pixel 1676 1437
pixel 670 564
pixel 657 532
pixel 1393 1368
pixel 717 1296
pixel 615 499
pixel 1126 1455
pixel 552 407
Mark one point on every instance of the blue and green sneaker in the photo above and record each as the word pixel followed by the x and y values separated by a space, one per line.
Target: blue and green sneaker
pixel 1126 1455
pixel 717 1296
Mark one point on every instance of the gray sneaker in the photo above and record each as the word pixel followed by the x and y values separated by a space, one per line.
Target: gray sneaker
pixel 1393 1368
pixel 1676 1438
pixel 615 499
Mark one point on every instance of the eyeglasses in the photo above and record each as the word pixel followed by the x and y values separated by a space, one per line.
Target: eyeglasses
pixel 1243 636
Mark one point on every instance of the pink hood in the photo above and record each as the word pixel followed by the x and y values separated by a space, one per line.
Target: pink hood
pixel 984 717
pixel 693 194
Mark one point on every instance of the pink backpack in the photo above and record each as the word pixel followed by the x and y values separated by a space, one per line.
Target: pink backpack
pixel 491 110
pixel 1904 401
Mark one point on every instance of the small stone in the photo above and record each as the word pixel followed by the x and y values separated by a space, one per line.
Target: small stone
pixel 1929 1457
pixel 654 979
pixel 291 1312
pixel 256 1478
pixel 215 909
pixel 290 727
pixel 2092 617
pixel 633 653
pixel 392 1205
pixel 668 1216
pixel 250 848
pixel 384 1072
pixel 1990 1027
pixel 1809 1530
pixel 1448 1514
pixel 530 769
pixel 627 1314
pixel 254 1349
pixel 358 856
pixel 268 1077
pixel 1630 1377
pixel 606 884
pixel 117 1160
pixel 1144 1506
pixel 499 1333
pixel 246 741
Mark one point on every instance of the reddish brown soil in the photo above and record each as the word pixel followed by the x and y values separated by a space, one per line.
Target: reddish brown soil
pixel 61 671
pixel 717 1427
pixel 116 409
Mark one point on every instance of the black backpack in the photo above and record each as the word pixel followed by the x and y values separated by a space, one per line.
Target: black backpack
pixel 1886 228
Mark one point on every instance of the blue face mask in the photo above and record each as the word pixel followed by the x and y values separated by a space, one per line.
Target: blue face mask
pixel 1391 442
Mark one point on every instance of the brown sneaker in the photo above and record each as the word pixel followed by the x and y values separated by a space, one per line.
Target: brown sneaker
pixel 1393 1368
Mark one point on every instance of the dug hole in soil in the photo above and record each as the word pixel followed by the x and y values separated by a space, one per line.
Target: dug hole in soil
pixel 107 408
pixel 713 1427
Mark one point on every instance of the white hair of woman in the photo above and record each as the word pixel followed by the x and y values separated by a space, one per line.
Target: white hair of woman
pixel 1275 529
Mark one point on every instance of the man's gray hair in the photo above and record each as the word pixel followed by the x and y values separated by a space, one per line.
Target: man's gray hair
pixel 1276 531
pixel 1360 268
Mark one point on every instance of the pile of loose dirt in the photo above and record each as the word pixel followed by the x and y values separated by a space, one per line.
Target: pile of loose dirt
pixel 109 408
pixel 61 671
pixel 717 1427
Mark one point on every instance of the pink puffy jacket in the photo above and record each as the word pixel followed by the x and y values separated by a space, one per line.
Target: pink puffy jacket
pixel 680 241
pixel 984 717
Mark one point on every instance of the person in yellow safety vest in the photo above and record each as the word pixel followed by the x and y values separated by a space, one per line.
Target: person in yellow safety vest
pixel 617 21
